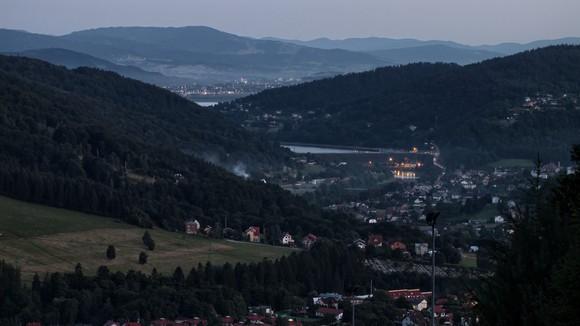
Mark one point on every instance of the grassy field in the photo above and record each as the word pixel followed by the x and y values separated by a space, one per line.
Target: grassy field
pixel 469 260
pixel 484 215
pixel 42 239
pixel 488 212
pixel 512 163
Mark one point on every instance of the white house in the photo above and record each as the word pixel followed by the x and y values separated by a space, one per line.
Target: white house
pixel 421 305
pixel 360 244
pixel 421 249
pixel 287 239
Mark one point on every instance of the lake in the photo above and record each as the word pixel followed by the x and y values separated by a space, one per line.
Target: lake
pixel 205 103
pixel 319 150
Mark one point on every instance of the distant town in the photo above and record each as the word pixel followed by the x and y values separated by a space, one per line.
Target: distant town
pixel 227 91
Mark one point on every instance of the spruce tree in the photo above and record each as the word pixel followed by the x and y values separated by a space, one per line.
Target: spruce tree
pixel 111 252
pixel 148 241
pixel 143 258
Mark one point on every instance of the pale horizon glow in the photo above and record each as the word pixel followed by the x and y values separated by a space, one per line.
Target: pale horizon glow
pixel 467 21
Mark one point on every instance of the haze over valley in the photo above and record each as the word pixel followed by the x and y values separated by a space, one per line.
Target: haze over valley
pixel 210 65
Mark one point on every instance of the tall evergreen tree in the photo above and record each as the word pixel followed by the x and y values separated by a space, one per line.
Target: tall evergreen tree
pixel 111 252
pixel 148 241
pixel 142 258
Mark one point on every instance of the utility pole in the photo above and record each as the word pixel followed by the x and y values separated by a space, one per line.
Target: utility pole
pixel 352 312
pixel 432 219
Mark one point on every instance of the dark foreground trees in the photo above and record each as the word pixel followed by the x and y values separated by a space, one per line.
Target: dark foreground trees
pixel 204 291
pixel 537 280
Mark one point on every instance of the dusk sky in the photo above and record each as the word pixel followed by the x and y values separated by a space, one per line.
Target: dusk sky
pixel 467 21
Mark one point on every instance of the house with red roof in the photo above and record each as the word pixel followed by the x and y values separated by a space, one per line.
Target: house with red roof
pixel 253 234
pixel 227 321
pixel 408 294
pixel 309 240
pixel 375 240
pixel 192 227
pixel 398 245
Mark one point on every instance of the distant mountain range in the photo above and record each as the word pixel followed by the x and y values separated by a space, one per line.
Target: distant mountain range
pixel 369 44
pixel 434 53
pixel 198 54
pixel 475 113
pixel 403 51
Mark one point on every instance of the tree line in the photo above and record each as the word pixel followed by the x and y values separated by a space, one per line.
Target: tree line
pixel 205 291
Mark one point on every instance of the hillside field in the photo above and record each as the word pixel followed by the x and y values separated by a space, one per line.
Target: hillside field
pixel 42 239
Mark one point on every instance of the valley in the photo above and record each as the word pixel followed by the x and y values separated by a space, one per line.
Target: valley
pixel 163 176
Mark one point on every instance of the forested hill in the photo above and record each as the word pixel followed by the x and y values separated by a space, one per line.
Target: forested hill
pixel 93 141
pixel 474 113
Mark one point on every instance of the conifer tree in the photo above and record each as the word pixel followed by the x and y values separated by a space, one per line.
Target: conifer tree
pixel 148 241
pixel 142 258
pixel 111 252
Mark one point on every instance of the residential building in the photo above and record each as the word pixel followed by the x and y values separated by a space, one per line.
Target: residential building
pixel 414 318
pixel 421 248
pixel 227 321
pixel 253 234
pixel 398 245
pixel 309 240
pixel 360 244
pixel 408 294
pixel 421 305
pixel 192 227
pixel 330 312
pixel 375 240
pixel 287 239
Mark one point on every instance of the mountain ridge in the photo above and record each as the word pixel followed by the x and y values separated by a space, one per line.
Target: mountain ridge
pixel 474 112
pixel 194 53
pixel 96 142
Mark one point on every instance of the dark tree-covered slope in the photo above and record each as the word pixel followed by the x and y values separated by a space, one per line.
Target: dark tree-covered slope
pixel 468 111
pixel 93 141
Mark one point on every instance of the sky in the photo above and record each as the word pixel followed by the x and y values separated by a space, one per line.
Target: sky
pixel 466 21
